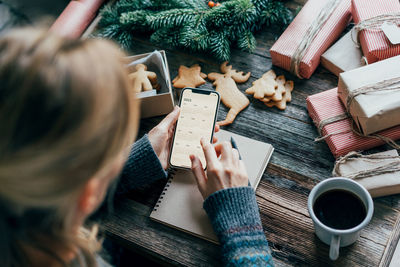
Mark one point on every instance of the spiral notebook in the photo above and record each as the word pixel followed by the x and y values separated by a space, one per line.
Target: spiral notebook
pixel 181 205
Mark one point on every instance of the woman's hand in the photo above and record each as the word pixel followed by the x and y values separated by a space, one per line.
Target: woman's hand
pixel 226 172
pixel 161 136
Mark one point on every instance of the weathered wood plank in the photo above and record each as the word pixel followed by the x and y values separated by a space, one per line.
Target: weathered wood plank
pixel 391 257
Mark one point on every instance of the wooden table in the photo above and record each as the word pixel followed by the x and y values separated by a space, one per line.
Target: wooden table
pixel 297 164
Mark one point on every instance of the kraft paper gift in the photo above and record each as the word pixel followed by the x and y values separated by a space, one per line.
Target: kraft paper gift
pixel 377 185
pixel 286 48
pixel 342 56
pixel 378 110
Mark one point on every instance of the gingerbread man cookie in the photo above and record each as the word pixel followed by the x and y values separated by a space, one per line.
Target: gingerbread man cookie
pixel 142 79
pixel 189 77
pixel 264 87
pixel 231 96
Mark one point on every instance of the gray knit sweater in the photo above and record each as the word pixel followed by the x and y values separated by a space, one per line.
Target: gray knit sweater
pixel 233 212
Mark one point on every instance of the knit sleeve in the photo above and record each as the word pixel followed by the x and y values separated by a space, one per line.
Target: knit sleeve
pixel 142 167
pixel 236 220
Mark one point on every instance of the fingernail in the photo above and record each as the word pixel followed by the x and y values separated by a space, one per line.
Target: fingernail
pixel 191 157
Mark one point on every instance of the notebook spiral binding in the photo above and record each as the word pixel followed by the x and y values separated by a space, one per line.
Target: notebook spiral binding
pixel 171 173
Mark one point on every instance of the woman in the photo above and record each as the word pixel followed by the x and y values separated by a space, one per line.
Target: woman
pixel 67 119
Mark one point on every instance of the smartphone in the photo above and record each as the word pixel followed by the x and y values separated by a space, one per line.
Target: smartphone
pixel 196 120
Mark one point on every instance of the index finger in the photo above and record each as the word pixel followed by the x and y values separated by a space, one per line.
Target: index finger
pixel 225 150
pixel 209 153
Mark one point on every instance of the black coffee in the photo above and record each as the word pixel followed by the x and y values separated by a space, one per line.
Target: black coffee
pixel 339 209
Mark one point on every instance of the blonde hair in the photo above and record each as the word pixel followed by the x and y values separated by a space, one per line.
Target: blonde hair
pixel 66 112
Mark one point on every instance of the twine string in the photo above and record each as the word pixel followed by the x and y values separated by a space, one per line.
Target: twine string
pixel 374 23
pixel 391 167
pixel 377 21
pixel 364 61
pixel 353 129
pixel 310 35
pixel 330 120
pixel 385 85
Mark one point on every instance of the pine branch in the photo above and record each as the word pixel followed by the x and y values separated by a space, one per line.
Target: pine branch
pixel 166 36
pixel 231 13
pixel 196 38
pixel 275 13
pixel 172 18
pixel 175 4
pixel 109 16
pixel 220 46
pixel 126 40
pixel 191 24
pixel 135 20
pixel 131 5
pixel 110 32
pixel 246 41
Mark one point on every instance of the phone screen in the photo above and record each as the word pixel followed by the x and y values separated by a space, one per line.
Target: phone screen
pixel 196 120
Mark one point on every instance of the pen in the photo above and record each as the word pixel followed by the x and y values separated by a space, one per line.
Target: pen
pixel 234 145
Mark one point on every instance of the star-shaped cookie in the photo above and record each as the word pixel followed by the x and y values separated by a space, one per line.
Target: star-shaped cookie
pixel 189 77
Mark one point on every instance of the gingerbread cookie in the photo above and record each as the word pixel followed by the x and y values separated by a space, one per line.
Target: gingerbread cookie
pixel 189 77
pixel 264 87
pixel 142 79
pixel 287 96
pixel 231 96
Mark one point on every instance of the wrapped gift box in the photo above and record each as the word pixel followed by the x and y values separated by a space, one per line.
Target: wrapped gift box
pixel 163 101
pixel 76 17
pixel 284 48
pixel 374 111
pixel 342 56
pixel 375 45
pixel 326 105
pixel 378 185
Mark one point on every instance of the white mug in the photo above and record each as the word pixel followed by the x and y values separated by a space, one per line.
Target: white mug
pixel 334 237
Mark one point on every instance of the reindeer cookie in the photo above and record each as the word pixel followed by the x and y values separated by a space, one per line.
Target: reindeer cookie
pixel 264 87
pixel 225 84
pixel 142 79
pixel 189 77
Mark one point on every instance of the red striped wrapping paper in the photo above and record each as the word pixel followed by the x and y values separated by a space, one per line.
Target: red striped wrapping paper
pixel 374 43
pixel 284 48
pixel 326 105
pixel 76 17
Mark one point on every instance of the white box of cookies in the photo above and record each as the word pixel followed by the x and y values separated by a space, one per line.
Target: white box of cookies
pixel 151 82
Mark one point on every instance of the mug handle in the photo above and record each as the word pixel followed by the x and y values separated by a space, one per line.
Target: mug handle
pixel 334 249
